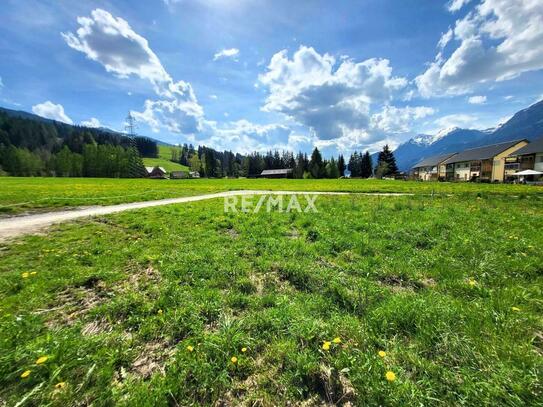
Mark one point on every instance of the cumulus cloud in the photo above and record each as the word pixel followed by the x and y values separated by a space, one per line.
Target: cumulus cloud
pixel 497 41
pixel 92 122
pixel 332 103
pixel 477 100
pixel 455 5
pixel 445 38
pixel 457 120
pixel 111 42
pixel 396 120
pixel 245 137
pixel 226 53
pixel 52 111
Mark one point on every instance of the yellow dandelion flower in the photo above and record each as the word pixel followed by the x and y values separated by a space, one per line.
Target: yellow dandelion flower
pixel 326 345
pixel 190 348
pixel 33 273
pixel 26 373
pixel 25 274
pixel 382 353
pixel 159 312
pixel 390 376
pixel 472 282
pixel 234 360
pixel 516 309
pixel 60 385
pixel 41 359
pixel 244 350
pixel 336 340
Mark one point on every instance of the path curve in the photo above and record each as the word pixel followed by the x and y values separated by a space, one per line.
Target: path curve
pixel 21 225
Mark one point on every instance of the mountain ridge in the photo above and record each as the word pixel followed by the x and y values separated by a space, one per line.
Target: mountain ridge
pixel 526 123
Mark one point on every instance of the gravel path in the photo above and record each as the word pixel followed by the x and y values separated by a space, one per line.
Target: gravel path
pixel 21 225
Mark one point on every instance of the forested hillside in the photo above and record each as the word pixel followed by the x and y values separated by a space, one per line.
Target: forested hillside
pixel 33 147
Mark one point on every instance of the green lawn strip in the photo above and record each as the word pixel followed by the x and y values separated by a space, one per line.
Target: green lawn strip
pixel 21 195
pixel 116 302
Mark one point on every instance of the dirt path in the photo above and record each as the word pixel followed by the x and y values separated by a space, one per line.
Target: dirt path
pixel 21 225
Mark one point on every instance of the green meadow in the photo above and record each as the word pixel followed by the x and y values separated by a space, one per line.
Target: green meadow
pixel 375 300
pixel 21 195
pixel 164 160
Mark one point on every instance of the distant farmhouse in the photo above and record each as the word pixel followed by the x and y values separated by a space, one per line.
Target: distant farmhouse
pixel 179 174
pixel 431 168
pixel 281 173
pixel 156 172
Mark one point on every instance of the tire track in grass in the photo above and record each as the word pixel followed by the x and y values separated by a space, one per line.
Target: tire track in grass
pixel 21 225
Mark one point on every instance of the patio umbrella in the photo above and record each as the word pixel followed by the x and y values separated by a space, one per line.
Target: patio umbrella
pixel 527 172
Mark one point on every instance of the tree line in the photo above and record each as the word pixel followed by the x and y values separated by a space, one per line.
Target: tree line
pixel 216 164
pixel 30 147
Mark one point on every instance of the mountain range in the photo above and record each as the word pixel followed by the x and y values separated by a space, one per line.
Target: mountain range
pixel 527 123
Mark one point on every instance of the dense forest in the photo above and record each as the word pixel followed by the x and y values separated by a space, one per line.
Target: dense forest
pixel 32 147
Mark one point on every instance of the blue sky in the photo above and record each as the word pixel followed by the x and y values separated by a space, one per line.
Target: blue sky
pixel 253 74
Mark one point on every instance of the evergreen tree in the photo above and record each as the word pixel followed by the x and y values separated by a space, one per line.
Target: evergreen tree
pixel 387 157
pixel 354 165
pixel 341 165
pixel 366 165
pixel 316 165
pixel 332 170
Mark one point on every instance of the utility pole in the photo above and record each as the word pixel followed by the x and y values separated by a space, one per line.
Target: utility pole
pixel 130 126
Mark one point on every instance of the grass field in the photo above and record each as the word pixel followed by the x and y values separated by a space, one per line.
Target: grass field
pixel 39 194
pixel 150 307
pixel 164 160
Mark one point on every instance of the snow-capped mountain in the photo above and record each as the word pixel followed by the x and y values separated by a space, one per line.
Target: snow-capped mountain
pixel 527 123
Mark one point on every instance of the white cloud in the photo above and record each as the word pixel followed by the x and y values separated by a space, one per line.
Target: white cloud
pixel 445 38
pixel 178 115
pixel 112 42
pixel 508 97
pixel 458 120
pixel 214 97
pixel 331 103
pixel 52 111
pixel 393 119
pixel 227 53
pixel 455 5
pixel 498 40
pixel 92 122
pixel 1 83
pixel 477 100
pixel 245 137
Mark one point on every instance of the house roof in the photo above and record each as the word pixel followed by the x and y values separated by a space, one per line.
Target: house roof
pixel 482 153
pixel 433 160
pixel 150 169
pixel 276 172
pixel 535 146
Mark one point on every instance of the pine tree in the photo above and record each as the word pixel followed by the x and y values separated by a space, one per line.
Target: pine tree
pixel 341 165
pixel 316 165
pixel 386 157
pixel 354 165
pixel 366 165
